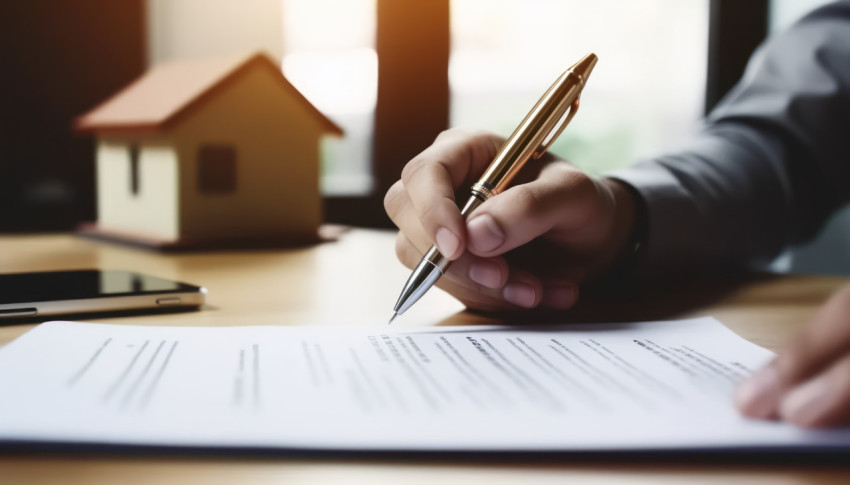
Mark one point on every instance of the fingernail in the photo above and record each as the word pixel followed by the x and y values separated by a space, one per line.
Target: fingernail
pixel 559 297
pixel 485 234
pixel 485 273
pixel 805 404
pixel 447 242
pixel 519 294
pixel 755 396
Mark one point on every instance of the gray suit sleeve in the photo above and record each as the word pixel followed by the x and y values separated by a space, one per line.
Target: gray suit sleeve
pixel 771 164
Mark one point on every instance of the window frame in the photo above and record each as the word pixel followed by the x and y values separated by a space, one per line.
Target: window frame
pixel 403 26
pixel 735 30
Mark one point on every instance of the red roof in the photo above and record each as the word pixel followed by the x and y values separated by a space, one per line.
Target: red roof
pixel 166 93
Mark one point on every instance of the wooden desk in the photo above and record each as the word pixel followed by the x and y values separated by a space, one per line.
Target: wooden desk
pixel 319 285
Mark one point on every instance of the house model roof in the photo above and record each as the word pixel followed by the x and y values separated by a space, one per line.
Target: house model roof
pixel 166 93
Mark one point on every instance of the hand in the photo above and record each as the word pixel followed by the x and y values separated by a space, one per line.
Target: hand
pixel 808 384
pixel 527 247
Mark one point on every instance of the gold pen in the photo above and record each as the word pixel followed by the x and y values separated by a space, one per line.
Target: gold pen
pixel 531 139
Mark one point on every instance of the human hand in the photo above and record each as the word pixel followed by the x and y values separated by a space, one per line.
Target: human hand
pixel 808 384
pixel 527 247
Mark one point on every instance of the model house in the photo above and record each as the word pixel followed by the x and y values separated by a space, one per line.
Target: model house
pixel 206 152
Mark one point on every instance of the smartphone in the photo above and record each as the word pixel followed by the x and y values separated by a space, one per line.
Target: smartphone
pixel 27 295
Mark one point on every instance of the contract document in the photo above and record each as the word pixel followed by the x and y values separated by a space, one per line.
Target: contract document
pixel 637 386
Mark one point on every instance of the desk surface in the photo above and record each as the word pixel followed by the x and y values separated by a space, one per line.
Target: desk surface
pixel 355 279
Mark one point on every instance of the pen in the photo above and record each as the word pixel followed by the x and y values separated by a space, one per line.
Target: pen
pixel 546 120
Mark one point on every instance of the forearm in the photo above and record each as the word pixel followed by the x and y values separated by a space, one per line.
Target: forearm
pixel 721 203
pixel 771 165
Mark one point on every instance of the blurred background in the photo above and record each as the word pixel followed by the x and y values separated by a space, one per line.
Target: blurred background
pixel 391 73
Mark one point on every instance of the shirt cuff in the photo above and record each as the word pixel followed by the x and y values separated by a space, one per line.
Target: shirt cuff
pixel 673 221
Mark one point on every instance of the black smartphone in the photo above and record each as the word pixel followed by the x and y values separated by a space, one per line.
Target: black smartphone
pixel 25 295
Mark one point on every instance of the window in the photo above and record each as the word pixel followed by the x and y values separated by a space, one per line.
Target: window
pixel 503 55
pixel 134 169
pixel 783 13
pixel 646 92
pixel 329 55
pixel 217 169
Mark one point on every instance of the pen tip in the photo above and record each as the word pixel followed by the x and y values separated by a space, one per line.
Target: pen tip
pixel 392 318
pixel 585 65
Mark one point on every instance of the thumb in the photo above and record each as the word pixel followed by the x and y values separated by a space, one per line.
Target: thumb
pixel 563 198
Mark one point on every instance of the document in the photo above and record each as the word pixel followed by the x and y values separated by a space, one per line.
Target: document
pixel 637 386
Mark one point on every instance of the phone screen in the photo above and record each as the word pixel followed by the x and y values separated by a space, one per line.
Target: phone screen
pixel 81 284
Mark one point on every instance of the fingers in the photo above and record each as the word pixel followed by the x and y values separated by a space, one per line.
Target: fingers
pixel 809 383
pixel 422 204
pixel 492 274
pixel 562 199
pixel 491 284
pixel 429 182
pixel 821 401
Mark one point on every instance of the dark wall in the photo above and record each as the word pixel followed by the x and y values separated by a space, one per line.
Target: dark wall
pixel 58 59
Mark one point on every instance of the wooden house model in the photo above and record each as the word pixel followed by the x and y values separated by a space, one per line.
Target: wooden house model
pixel 208 152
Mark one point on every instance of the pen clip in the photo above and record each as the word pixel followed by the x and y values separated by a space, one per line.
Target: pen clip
pixel 556 132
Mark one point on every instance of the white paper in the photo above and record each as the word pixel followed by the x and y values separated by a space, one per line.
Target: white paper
pixel 642 386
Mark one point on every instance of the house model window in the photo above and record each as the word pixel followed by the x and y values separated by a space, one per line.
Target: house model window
pixel 216 169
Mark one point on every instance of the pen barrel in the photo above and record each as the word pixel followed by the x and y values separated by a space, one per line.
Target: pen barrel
pixel 530 135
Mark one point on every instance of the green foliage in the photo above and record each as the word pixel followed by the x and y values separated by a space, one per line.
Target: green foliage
pixel 598 153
